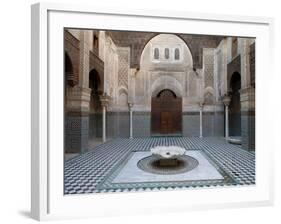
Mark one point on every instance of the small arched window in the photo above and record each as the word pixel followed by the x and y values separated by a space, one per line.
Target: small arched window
pixel 156 53
pixel 167 53
pixel 177 54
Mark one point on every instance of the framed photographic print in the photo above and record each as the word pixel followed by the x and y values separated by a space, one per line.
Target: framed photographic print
pixel 148 111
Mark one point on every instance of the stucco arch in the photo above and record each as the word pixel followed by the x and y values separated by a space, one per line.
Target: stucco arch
pixel 166 82
pixel 122 89
pixel 71 50
pixel 71 75
pixel 178 38
pixel 210 90
pixel 209 95
pixel 171 42
pixel 122 92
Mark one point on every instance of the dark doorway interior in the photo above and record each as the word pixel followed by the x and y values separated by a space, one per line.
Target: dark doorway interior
pixel 95 116
pixel 166 114
pixel 94 85
pixel 235 107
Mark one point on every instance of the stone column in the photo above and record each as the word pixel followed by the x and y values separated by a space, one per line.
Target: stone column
pixel 131 119
pixel 84 58
pixel 77 101
pixel 226 101
pixel 104 103
pixel 201 119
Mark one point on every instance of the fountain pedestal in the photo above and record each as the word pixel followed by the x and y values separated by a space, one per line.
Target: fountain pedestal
pixel 167 162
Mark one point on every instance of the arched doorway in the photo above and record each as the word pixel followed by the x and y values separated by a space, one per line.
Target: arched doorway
pixel 166 113
pixel 70 78
pixel 68 74
pixel 234 106
pixel 68 68
pixel 94 85
pixel 95 116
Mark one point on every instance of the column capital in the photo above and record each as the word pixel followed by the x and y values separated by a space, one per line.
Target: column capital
pixel 134 72
pixel 130 104
pixel 104 98
pixel 226 100
pixel 201 104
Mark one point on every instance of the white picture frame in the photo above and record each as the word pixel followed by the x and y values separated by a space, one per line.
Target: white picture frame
pixel 48 201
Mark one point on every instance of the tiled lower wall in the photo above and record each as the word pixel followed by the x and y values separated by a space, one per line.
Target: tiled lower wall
pixel 79 129
pixel 212 124
pixel 95 125
pixel 234 124
pixel 76 134
pixel 118 124
pixel 248 131
pixel 141 124
pixel 191 125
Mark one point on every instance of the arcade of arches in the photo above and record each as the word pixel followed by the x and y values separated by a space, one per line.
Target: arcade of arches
pixel 136 84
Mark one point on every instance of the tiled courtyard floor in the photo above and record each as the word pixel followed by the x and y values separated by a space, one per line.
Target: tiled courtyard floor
pixel 94 171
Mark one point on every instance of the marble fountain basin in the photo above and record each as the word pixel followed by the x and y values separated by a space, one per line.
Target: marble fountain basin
pixel 167 155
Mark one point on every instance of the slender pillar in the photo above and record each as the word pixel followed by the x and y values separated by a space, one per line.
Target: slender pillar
pixel 131 119
pixel 201 119
pixel 104 102
pixel 226 122
pixel 104 123
pixel 226 101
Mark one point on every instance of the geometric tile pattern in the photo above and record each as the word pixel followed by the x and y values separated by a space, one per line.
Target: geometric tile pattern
pixel 111 183
pixel 123 67
pixel 208 58
pixel 91 172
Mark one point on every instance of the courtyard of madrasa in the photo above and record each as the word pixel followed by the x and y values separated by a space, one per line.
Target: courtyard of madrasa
pixel 128 93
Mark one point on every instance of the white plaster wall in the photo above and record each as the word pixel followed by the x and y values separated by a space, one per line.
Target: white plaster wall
pixel 90 39
pixel 208 73
pixel 228 46
pixel 119 92
pixel 157 74
pixel 161 42
pixel 220 69
pixel 110 68
pixel 101 45
pixel 167 73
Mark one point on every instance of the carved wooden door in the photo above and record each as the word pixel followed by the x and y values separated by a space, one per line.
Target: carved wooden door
pixel 166 114
pixel 166 122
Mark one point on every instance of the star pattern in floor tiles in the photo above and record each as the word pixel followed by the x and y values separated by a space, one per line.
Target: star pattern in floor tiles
pixel 95 170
